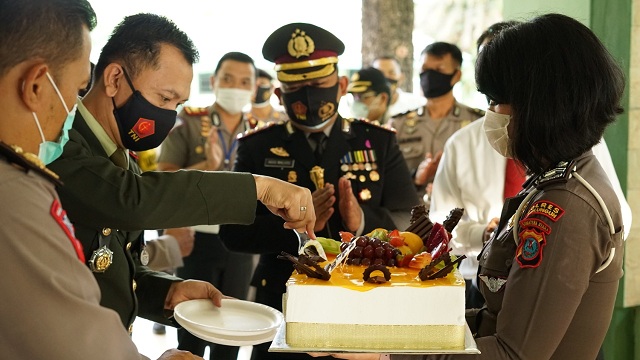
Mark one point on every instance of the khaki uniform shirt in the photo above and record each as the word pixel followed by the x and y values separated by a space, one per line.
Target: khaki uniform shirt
pixel 546 297
pixel 50 302
pixel 185 144
pixel 418 134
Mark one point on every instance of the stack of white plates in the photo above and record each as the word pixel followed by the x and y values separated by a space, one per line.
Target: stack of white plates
pixel 236 323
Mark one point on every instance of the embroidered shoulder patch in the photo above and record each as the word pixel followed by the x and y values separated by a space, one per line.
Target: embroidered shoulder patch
pixel 60 216
pixel 546 208
pixel 529 252
pixel 535 224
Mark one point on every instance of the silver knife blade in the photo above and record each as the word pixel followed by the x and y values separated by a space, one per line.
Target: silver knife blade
pixel 340 258
pixel 303 237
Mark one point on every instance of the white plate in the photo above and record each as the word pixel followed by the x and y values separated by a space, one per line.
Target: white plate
pixel 235 317
pixel 231 340
pixel 279 344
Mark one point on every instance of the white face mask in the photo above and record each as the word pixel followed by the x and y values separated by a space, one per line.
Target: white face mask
pixel 233 100
pixel 359 110
pixel 495 128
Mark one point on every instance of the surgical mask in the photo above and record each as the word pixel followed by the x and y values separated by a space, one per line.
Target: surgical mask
pixel 263 94
pixel 311 107
pixel 232 100
pixel 495 128
pixel 49 151
pixel 435 84
pixel 359 110
pixel 142 125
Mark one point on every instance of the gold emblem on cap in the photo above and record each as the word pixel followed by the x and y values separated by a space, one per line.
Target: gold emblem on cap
pixel 280 151
pixel 300 44
pixel 101 259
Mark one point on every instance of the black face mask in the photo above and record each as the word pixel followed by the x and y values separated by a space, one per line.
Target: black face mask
pixel 142 125
pixel 311 107
pixel 435 84
pixel 263 94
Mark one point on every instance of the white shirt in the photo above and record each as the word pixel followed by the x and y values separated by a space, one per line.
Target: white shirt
pixel 471 176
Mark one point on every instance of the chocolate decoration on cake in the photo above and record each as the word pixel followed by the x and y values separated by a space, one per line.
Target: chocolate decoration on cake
pixel 306 265
pixel 431 272
pixel 420 223
pixel 452 220
pixel 366 275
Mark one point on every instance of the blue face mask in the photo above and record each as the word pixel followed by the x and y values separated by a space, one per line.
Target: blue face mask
pixel 49 150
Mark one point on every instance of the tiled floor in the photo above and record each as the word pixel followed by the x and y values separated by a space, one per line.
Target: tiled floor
pixel 152 345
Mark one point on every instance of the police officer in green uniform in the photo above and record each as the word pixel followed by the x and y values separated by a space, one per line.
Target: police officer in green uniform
pixel 423 132
pixel 354 168
pixel 193 144
pixel 132 106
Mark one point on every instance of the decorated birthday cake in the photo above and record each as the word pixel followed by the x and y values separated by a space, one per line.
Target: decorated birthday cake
pixel 388 290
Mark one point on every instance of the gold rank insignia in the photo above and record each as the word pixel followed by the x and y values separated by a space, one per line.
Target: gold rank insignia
pixel 292 177
pixel 101 259
pixel 300 44
pixel 280 151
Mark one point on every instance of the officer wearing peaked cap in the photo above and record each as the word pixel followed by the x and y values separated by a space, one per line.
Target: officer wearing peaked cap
pixel 371 95
pixel 366 183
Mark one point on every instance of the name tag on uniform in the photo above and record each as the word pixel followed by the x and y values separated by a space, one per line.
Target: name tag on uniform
pixel 279 163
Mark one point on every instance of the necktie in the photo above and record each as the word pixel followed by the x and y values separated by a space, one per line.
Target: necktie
pixel 514 178
pixel 319 138
pixel 119 157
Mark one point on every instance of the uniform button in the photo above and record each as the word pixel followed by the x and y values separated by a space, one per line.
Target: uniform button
pixel 508 262
pixel 485 256
pixel 106 231
pixel 135 285
pixel 130 329
pixel 128 245
pixel 263 282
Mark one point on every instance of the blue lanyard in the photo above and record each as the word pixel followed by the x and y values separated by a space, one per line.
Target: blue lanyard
pixel 229 151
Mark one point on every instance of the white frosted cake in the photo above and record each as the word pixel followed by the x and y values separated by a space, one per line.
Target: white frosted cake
pixel 403 313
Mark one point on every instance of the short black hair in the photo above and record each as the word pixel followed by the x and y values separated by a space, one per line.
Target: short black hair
pixel 263 74
pixel 236 56
pixel 136 42
pixel 493 30
pixel 443 48
pixel 562 97
pixel 47 29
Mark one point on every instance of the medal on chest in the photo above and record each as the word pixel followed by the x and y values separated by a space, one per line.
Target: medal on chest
pixel 101 259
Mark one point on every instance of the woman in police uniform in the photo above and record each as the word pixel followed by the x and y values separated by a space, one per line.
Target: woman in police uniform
pixel 550 272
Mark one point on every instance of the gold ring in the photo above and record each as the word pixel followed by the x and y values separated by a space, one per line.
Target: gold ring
pixel 303 208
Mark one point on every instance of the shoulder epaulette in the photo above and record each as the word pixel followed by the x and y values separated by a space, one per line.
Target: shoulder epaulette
pixel 28 161
pixel 559 174
pixel 196 111
pixel 374 124
pixel 409 114
pixel 260 129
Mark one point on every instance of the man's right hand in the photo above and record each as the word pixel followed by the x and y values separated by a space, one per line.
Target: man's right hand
pixel 185 237
pixel 175 354
pixel 323 200
pixel 292 203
